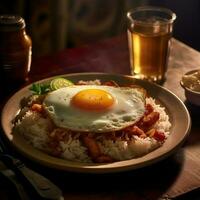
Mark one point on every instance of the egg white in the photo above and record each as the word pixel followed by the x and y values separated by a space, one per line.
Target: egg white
pixel 128 108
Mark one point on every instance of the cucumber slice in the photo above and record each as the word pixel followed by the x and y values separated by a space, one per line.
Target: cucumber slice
pixel 60 83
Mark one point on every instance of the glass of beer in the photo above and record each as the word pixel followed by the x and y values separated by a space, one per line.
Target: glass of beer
pixel 149 34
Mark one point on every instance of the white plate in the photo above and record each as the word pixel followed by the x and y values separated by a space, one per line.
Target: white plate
pixel 179 118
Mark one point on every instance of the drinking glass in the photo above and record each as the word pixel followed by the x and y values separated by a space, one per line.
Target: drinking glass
pixel 149 39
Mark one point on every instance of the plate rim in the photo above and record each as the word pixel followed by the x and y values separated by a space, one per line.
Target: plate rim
pixel 98 168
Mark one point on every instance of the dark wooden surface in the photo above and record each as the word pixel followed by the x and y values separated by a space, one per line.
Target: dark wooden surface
pixel 165 178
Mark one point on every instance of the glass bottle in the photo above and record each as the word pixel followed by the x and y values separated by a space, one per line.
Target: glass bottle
pixel 15 51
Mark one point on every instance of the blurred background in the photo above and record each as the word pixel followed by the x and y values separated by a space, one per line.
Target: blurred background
pixel 57 24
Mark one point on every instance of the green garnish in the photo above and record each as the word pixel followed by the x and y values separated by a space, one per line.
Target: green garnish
pixel 59 83
pixel 41 88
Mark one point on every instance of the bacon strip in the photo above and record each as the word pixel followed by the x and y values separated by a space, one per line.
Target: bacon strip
pixel 92 146
pixel 111 83
pixel 37 107
pixel 94 150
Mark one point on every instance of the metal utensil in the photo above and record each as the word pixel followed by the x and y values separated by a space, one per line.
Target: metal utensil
pixel 10 175
pixel 41 186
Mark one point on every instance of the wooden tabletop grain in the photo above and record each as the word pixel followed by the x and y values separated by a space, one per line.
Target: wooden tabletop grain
pixel 160 180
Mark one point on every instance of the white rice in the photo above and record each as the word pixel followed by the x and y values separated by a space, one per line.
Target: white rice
pixel 36 130
pixel 74 150
pixel 123 150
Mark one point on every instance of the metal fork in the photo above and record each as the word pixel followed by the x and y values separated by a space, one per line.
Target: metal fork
pixel 42 187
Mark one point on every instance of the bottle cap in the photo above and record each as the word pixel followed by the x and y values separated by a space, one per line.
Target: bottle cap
pixel 11 23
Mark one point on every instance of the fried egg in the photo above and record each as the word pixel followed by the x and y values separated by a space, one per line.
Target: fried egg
pixel 95 108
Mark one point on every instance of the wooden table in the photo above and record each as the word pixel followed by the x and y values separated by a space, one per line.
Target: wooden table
pixel 152 182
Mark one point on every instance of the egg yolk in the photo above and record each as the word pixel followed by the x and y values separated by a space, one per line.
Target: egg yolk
pixel 93 99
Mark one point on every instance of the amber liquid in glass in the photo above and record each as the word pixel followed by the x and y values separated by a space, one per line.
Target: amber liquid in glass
pixel 149 53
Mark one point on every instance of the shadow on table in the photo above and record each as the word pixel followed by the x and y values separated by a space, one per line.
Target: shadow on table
pixel 194 137
pixel 194 111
